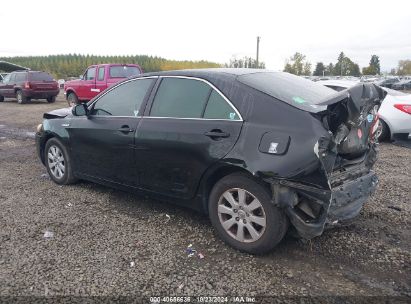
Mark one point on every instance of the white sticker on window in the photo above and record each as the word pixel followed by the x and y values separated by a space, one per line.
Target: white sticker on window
pixel 232 115
pixel 273 148
pixel 135 112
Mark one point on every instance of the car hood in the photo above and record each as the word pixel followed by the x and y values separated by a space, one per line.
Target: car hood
pixel 59 113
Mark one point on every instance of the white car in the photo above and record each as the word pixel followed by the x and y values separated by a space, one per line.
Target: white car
pixel 394 113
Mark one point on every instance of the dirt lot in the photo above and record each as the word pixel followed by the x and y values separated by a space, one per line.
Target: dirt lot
pixel 110 243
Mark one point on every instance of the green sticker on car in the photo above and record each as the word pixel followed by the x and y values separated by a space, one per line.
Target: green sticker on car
pixel 298 99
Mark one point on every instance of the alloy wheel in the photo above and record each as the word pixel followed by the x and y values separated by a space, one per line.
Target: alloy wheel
pixel 56 161
pixel 241 215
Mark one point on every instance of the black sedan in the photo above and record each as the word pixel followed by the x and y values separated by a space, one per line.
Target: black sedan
pixel 260 152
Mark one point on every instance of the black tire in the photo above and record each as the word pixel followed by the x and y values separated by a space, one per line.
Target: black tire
pixel 67 177
pixel 383 133
pixel 51 99
pixel 72 99
pixel 20 97
pixel 276 223
pixel 1 98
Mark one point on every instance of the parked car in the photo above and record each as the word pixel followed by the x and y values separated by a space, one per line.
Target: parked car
pixel 27 85
pixel 96 79
pixel 255 150
pixel 61 83
pixel 388 82
pixel 404 84
pixel 394 113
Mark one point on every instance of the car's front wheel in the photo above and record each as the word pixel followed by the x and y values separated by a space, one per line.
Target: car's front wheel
pixel 72 99
pixel 243 215
pixel 58 162
pixel 1 98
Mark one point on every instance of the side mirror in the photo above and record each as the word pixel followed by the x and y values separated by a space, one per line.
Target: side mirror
pixel 80 110
pixel 81 77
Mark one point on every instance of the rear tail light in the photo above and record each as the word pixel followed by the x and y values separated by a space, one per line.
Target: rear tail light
pixel 27 85
pixel 403 107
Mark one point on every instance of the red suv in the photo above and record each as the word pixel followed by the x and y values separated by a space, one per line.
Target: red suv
pixel 25 85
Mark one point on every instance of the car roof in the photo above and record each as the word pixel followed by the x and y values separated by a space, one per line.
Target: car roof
pixel 209 72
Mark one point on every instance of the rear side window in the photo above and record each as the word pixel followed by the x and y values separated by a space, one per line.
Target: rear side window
pixel 100 76
pixel 124 100
pixel 181 98
pixel 294 90
pixel 218 108
pixel 123 71
pixel 40 76
pixel 21 77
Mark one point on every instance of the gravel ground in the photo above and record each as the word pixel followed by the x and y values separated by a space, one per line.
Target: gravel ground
pixel 110 243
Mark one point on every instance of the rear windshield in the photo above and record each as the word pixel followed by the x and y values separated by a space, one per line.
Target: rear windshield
pixel 294 90
pixel 40 76
pixel 124 71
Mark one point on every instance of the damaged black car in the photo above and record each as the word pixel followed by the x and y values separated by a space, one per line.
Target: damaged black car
pixel 260 152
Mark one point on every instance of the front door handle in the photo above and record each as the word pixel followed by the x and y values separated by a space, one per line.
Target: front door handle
pixel 125 129
pixel 216 134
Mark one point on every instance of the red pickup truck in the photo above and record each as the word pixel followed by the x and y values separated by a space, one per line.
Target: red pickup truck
pixel 96 79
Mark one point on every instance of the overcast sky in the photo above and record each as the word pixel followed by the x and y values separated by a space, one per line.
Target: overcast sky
pixel 210 30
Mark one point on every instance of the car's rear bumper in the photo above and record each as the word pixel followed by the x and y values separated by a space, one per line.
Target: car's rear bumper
pixel 342 203
pixel 40 94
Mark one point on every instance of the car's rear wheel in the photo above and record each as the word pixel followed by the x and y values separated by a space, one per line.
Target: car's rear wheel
pixel 58 162
pixel 72 99
pixel 51 99
pixel 243 215
pixel 1 98
pixel 20 97
pixel 383 132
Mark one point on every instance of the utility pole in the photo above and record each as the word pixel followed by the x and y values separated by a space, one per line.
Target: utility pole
pixel 258 50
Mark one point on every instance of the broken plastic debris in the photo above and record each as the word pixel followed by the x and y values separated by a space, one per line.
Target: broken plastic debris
pixel 181 286
pixel 45 175
pixel 200 256
pixel 69 205
pixel 168 218
pixel 132 264
pixel 48 234
pixel 190 251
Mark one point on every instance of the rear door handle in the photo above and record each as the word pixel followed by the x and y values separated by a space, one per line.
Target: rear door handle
pixel 125 129
pixel 213 134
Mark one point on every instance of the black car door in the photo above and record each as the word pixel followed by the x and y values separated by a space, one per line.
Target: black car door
pixel 188 126
pixel 102 143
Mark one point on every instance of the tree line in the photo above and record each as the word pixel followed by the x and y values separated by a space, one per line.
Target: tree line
pixel 72 65
pixel 298 65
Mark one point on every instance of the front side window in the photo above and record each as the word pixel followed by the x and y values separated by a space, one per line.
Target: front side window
pixel 100 74
pixel 6 78
pixel 181 98
pixel 91 73
pixel 124 100
pixel 219 108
